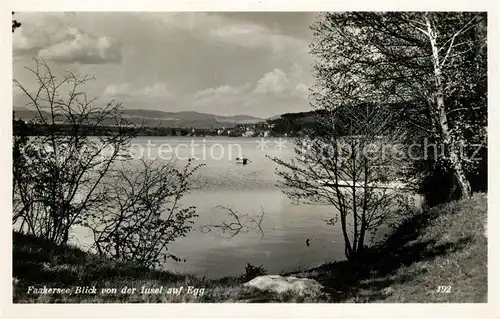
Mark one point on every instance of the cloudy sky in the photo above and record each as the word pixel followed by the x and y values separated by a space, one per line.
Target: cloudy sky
pixel 222 63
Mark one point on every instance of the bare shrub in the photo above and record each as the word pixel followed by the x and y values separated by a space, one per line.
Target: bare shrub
pixel 79 172
pixel 337 170
pixel 143 214
pixel 236 224
pixel 57 176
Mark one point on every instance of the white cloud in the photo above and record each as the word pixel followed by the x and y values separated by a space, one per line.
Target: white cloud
pixel 253 36
pixel 184 50
pixel 188 20
pixel 275 81
pixel 220 29
pixel 222 90
pixel 278 82
pixel 224 95
pixel 301 89
pixel 157 90
pixel 38 31
pixel 83 48
pixel 51 36
pixel 275 88
pixel 154 91
pixel 238 30
pixel 117 89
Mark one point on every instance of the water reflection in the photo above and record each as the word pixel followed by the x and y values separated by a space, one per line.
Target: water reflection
pixel 248 189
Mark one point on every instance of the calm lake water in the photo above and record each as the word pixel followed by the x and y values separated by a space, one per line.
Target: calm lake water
pixel 247 189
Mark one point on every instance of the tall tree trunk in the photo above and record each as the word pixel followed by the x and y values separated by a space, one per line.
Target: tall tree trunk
pixel 348 251
pixel 440 118
pixel 362 231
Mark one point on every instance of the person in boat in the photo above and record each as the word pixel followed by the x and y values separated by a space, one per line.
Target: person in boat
pixel 243 160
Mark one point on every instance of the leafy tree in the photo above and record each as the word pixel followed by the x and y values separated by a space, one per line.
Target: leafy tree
pixel 383 80
pixel 431 65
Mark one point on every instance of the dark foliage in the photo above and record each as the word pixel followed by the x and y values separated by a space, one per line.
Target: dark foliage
pixel 252 271
pixel 15 24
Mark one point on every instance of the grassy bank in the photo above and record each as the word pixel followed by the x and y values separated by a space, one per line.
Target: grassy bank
pixel 39 263
pixel 444 246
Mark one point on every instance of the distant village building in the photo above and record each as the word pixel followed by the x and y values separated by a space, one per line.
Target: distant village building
pixel 36 120
pixel 248 133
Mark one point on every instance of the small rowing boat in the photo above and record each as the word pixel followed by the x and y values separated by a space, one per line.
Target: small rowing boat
pixel 242 160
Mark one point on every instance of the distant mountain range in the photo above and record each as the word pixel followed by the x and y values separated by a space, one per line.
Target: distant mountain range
pixel 153 118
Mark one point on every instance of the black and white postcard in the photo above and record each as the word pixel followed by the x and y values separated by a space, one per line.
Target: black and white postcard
pixel 312 156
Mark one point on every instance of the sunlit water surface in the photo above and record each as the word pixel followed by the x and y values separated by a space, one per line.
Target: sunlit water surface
pixel 247 189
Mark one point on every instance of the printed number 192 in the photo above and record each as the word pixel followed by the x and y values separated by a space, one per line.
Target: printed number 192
pixel 444 289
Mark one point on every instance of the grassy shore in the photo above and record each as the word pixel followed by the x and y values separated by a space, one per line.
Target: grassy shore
pixel 444 246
